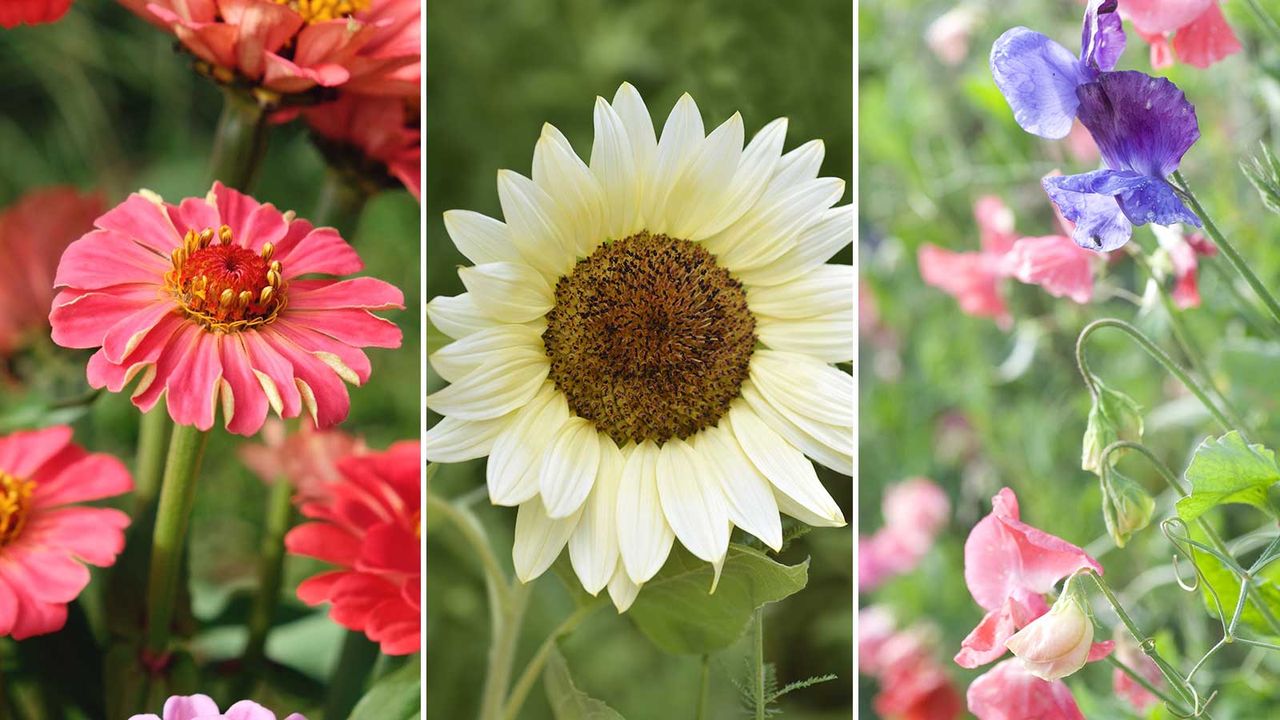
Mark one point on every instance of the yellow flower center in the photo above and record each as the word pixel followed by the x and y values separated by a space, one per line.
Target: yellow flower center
pixel 649 338
pixel 15 500
pixel 314 11
pixel 223 286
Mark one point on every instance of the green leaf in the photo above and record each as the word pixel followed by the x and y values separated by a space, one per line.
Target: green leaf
pixel 566 700
pixel 395 696
pixel 1226 470
pixel 1226 583
pixel 677 611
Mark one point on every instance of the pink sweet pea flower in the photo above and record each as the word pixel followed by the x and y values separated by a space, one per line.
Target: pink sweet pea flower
pixel 1055 263
pixel 1008 567
pixel 368 46
pixel 1008 692
pixel 1201 35
pixel 306 459
pixel 948 36
pixel 45 539
pixel 31 12
pixel 1060 642
pixel 374 138
pixel 1126 687
pixel 914 512
pixel 202 707
pixel 371 528
pixel 207 302
pixel 912 684
pixel 33 234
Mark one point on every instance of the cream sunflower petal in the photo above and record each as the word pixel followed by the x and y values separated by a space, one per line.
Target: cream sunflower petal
pixel 559 171
pixel 510 292
pixel 804 385
pixel 750 500
pixel 516 457
pixel 644 537
pixel 539 539
pixel 692 501
pixel 759 160
pixel 593 548
pixel 828 445
pixel 682 135
pixel 828 338
pixel 791 474
pixel 799 165
pixel 464 355
pixel 505 382
pixel 458 316
pixel 824 290
pixel 703 188
pixel 542 239
pixel 771 228
pixel 452 440
pixel 622 591
pixel 813 247
pixel 479 237
pixel 613 162
pixel 569 467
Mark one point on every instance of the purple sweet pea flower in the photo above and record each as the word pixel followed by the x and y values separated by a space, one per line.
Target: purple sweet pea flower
pixel 1039 77
pixel 1143 126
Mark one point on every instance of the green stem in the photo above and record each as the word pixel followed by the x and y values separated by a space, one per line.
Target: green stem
pixel 1228 250
pixel 757 681
pixel 153 442
pixel 704 689
pixel 346 682
pixel 270 574
pixel 505 628
pixel 469 526
pixel 240 142
pixel 1138 678
pixel 1154 351
pixel 520 691
pixel 177 496
pixel 340 204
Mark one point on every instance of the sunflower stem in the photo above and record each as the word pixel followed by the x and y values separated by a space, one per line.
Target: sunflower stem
pixel 177 496
pixel 704 689
pixel 757 680
pixel 346 682
pixel 153 442
pixel 507 621
pixel 279 517
pixel 240 142
pixel 340 204
pixel 525 683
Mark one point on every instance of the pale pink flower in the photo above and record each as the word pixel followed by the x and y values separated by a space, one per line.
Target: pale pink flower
pixel 202 707
pixel 306 459
pixel 972 278
pixel 1058 643
pixel 208 302
pixel 45 538
pixel 374 137
pixel 1008 692
pixel 1081 146
pixel 913 686
pixel 31 12
pixel 1200 34
pixel 33 233
pixel 948 36
pixel 289 47
pixel 914 512
pixel 1126 687
pixel 1055 263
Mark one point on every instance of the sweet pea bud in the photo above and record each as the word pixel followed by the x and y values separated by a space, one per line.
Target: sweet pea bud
pixel 1114 416
pixel 1057 643
pixel 1126 506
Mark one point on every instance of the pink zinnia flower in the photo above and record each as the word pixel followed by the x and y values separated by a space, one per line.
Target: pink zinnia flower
pixel 1008 692
pixel 306 459
pixel 1008 567
pixel 371 528
pixel 914 512
pixel 202 707
pixel 45 540
pixel 206 301
pixel 292 46
pixel 375 137
pixel 31 12
pixel 33 234
pixel 1200 34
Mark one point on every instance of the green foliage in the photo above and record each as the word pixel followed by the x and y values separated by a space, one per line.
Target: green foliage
pixel 1126 506
pixel 397 696
pixel 679 614
pixel 1264 172
pixel 1114 416
pixel 1227 470
pixel 772 693
pixel 566 700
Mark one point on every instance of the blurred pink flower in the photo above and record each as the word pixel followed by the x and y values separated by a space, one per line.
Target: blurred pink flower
pixel 914 512
pixel 1008 567
pixel 1200 34
pixel 202 707
pixel 1081 146
pixel 45 537
pixel 948 36
pixel 1184 252
pixel 1128 688
pixel 33 233
pixel 1055 263
pixel 307 459
pixel 31 12
pixel 913 686
pixel 1008 692
pixel 379 137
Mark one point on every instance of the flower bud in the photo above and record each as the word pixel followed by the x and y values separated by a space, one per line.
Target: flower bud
pixel 1114 416
pixel 1057 643
pixel 1126 506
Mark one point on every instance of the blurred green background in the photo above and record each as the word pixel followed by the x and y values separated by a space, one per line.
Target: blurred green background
pixel 101 100
pixel 496 72
pixel 955 398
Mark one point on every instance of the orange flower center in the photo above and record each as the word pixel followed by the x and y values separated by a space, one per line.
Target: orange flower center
pixel 223 286
pixel 15 500
pixel 314 11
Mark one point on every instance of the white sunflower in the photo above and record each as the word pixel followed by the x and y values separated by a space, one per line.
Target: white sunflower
pixel 645 347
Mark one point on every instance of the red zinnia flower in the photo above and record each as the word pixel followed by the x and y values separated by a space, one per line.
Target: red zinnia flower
pixel 33 234
pixel 44 539
pixel 291 46
pixel 205 300
pixel 31 12
pixel 371 528
pixel 375 131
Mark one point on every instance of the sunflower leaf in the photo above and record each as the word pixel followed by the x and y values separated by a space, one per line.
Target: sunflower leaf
pixel 566 700
pixel 677 611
